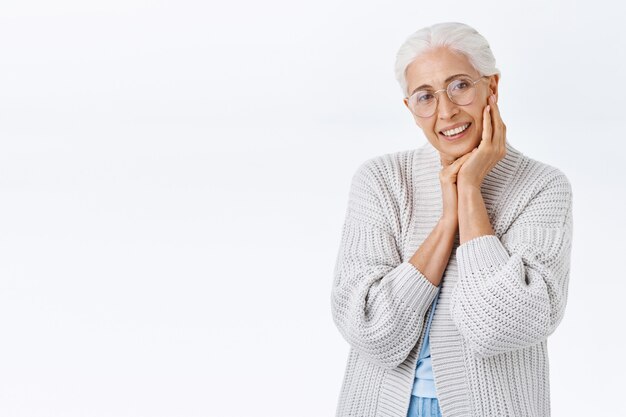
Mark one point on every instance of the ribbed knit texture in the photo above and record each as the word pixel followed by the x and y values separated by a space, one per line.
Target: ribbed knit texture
pixel 424 383
pixel 500 298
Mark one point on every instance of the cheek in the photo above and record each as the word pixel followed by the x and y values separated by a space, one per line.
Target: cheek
pixel 479 123
pixel 478 118
pixel 426 126
pixel 429 126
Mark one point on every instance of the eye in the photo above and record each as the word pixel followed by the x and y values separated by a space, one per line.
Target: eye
pixel 461 84
pixel 422 97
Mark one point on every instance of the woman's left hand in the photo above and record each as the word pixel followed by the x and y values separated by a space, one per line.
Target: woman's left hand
pixel 492 148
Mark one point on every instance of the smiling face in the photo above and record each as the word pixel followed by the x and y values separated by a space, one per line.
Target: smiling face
pixel 433 68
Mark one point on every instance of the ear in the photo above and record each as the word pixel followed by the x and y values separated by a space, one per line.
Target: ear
pixel 493 84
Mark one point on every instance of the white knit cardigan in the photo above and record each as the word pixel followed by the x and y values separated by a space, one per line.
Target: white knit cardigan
pixel 501 296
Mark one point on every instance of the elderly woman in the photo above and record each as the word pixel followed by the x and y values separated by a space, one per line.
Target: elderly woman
pixel 454 259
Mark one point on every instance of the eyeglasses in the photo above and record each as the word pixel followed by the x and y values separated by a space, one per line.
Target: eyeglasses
pixel 461 91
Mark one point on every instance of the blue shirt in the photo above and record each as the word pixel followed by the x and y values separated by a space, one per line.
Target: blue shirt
pixel 424 383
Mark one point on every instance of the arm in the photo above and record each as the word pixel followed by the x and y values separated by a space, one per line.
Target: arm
pixel 512 291
pixel 434 253
pixel 473 217
pixel 378 302
pixel 432 257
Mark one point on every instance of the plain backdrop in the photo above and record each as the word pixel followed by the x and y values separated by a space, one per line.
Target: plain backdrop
pixel 174 177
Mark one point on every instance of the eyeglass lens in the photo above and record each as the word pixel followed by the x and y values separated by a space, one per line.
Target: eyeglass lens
pixel 461 91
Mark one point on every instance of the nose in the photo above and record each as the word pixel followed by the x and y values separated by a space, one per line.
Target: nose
pixel 446 109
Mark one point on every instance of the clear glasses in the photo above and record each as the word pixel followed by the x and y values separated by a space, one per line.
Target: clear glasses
pixel 461 91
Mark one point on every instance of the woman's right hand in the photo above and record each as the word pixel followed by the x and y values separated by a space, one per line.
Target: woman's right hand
pixel 448 177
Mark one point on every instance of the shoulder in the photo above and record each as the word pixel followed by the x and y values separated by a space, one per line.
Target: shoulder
pixel 390 171
pixel 535 177
pixel 540 194
pixel 382 188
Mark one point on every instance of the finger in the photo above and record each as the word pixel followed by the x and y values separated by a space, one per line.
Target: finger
pixel 487 128
pixel 456 165
pixel 467 155
pixel 462 158
pixel 498 125
pixel 495 109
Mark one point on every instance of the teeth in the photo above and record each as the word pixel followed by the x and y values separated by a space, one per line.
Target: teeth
pixel 456 131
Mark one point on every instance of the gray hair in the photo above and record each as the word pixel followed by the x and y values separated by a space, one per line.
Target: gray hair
pixel 459 37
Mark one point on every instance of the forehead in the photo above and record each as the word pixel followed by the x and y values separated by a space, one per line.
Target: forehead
pixel 433 67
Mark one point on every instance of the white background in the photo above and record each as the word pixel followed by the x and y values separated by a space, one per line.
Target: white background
pixel 174 177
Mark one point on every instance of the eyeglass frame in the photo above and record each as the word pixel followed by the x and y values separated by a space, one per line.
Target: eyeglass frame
pixel 447 93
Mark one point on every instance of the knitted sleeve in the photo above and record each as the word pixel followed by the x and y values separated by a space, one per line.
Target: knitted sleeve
pixel 512 291
pixel 378 302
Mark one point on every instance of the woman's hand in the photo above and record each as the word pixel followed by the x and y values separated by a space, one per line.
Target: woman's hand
pixel 492 148
pixel 448 179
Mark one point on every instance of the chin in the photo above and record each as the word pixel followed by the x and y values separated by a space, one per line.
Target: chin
pixel 458 149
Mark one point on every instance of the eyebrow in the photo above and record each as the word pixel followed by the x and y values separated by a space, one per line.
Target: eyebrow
pixel 447 80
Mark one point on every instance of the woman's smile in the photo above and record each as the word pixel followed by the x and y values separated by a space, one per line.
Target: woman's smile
pixel 455 132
